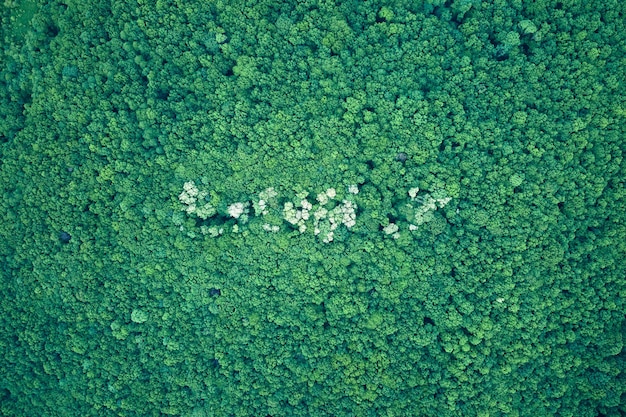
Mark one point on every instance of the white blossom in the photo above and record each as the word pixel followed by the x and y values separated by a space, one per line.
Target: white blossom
pixel 306 205
pixel 205 211
pixel 290 213
pixel 303 214
pixel 322 198
pixel 260 207
pixel 320 213
pixel 189 194
pixel 390 229
pixel 270 228
pixel 443 201
pixel 212 231
pixel 236 209
pixel 268 194
pixel 190 188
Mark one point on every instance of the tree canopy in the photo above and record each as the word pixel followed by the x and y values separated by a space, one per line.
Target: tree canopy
pixel 465 158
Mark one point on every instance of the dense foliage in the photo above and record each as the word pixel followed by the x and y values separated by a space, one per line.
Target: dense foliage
pixel 508 301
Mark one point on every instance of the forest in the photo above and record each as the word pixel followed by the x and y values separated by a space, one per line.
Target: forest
pixel 313 208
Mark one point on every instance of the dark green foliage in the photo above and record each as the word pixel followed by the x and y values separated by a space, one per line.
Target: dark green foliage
pixel 510 301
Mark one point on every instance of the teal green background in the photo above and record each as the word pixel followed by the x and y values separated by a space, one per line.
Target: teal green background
pixel 510 302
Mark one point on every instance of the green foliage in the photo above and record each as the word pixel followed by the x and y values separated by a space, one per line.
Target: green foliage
pixel 507 301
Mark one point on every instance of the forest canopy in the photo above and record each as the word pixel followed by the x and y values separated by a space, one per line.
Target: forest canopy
pixel 312 208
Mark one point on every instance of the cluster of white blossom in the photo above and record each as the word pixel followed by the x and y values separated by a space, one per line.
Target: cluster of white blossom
pixel 212 231
pixel 421 208
pixel 325 215
pixel 392 229
pixel 266 197
pixel 270 228
pixel 192 199
pixel 425 205
pixel 327 221
pixel 239 211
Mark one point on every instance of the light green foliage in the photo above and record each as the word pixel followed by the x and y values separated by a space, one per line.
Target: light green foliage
pixel 120 299
pixel 138 316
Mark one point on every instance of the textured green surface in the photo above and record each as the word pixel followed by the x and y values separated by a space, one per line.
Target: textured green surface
pixel 509 301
